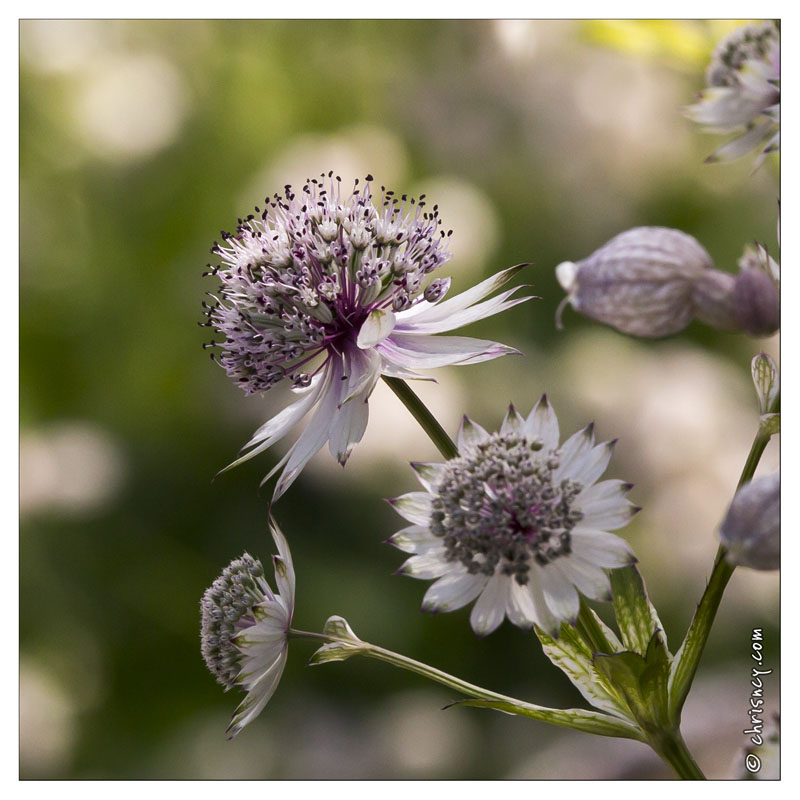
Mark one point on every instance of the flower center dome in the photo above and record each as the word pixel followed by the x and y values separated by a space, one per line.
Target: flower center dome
pixel 499 506
pixel 299 278
pixel 227 608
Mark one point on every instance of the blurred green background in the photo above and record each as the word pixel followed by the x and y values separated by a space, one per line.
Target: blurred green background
pixel 540 141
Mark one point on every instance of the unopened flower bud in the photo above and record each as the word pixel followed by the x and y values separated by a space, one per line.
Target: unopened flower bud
pixel 766 381
pixel 751 530
pixel 640 282
pixel 652 282
pixel 712 296
pixel 756 303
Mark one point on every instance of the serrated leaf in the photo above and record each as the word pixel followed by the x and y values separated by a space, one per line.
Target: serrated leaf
pixel 575 718
pixel 642 682
pixel 574 658
pixel 637 618
pixel 654 680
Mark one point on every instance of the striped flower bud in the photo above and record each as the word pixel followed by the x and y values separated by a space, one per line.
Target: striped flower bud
pixel 652 282
pixel 751 530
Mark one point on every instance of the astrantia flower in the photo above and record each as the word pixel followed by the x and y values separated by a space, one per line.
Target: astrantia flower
pixel 331 291
pixel 743 91
pixel 518 522
pixel 244 628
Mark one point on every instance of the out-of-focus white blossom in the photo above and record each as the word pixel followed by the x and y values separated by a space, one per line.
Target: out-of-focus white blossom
pixel 743 93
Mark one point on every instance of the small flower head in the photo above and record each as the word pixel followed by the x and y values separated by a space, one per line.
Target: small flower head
pixel 652 282
pixel 244 628
pixel 751 530
pixel 330 290
pixel 743 91
pixel 518 522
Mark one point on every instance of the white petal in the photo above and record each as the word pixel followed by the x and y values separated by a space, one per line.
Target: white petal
pixel 257 697
pixel 260 654
pixel 414 506
pixel 724 108
pixel 609 517
pixel 415 539
pixel 741 145
pixel 348 429
pixel 470 434
pixel 601 548
pixel 520 607
pixel 542 423
pixel 446 308
pixel 513 422
pixel 276 428
pixel 285 577
pixel 589 579
pixel 490 609
pixel 432 352
pixel 459 319
pixel 364 369
pixel 559 593
pixel 429 474
pixel 431 564
pixel 377 326
pixel 545 618
pixel 586 468
pixel 453 590
pixel 577 447
pixel 313 437
pixel 602 497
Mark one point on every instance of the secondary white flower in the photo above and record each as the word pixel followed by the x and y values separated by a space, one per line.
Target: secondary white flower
pixel 244 628
pixel 743 91
pixel 518 522
pixel 331 291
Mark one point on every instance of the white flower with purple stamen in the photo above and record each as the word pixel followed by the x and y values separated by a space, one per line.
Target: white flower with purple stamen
pixel 518 522
pixel 244 628
pixel 331 291
pixel 743 91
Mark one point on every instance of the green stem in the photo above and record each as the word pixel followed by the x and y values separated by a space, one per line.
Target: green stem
pixel 673 750
pixel 575 719
pixel 687 659
pixel 429 423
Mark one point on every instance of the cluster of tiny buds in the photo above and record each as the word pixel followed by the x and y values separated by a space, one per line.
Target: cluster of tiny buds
pixel 498 505
pixel 225 609
pixel 299 277
pixel 748 42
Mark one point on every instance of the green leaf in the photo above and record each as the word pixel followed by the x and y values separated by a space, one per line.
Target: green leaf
pixel 636 616
pixel 641 681
pixel 573 657
pixel 597 635
pixel 348 643
pixel 654 681
pixel 575 718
